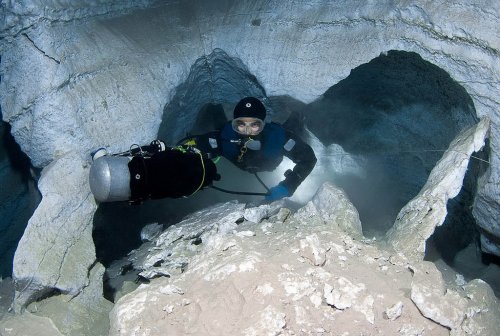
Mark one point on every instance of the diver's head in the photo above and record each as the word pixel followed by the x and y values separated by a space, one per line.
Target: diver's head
pixel 249 115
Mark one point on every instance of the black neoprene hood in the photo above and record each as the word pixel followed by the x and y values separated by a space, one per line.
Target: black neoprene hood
pixel 250 107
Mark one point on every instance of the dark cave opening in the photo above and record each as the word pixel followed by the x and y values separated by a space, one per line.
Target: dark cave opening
pixel 19 197
pixel 398 112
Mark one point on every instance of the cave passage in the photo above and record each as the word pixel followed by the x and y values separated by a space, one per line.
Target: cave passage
pixel 399 112
pixel 395 116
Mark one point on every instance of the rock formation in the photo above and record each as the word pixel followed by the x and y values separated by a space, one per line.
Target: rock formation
pixel 80 76
pixel 299 273
pixel 418 219
pixel 56 252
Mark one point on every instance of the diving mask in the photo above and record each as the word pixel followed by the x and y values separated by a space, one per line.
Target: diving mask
pixel 248 126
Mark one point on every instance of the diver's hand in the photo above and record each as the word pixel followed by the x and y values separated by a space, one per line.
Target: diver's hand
pixel 277 192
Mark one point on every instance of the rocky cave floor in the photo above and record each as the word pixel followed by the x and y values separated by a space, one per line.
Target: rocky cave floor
pixel 303 273
pixel 232 270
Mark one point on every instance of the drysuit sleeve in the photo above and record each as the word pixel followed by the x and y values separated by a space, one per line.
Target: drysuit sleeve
pixel 303 156
pixel 208 143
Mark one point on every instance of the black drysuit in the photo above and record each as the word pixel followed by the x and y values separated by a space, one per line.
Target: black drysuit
pixel 275 142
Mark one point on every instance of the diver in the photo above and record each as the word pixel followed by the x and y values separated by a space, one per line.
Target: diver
pixel 255 146
pixel 156 171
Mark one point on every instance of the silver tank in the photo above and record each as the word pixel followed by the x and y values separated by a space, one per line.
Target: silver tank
pixel 109 179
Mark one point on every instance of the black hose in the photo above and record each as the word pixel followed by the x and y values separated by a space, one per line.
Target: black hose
pixel 261 182
pixel 245 192
pixel 238 192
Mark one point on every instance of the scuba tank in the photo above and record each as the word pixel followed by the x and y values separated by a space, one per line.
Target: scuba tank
pixel 109 178
pixel 150 172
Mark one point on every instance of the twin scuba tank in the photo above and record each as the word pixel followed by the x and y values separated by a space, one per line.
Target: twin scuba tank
pixel 150 172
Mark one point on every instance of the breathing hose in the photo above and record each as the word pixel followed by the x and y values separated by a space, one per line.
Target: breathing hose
pixel 261 182
pixel 238 192
pixel 244 192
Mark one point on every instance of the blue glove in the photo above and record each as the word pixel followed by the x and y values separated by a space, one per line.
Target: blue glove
pixel 277 192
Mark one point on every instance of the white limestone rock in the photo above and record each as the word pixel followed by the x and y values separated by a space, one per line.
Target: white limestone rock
pixel 281 216
pixel 482 311
pixel 311 249
pixel 271 322
pixel 168 253
pixel 246 233
pixel 344 294
pixel 262 285
pixel 149 232
pixel 257 214
pixel 428 292
pixel 85 314
pixel 418 219
pixel 335 209
pixel 330 206
pixel 21 14
pixel 394 311
pixel 57 251
pixel 28 324
pixel 410 330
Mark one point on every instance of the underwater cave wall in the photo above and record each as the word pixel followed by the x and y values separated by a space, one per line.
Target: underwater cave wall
pixel 72 85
